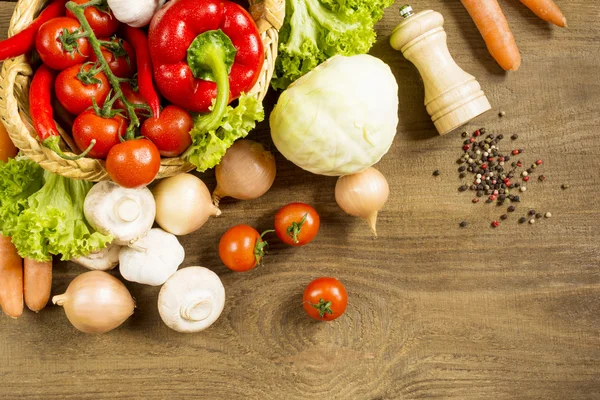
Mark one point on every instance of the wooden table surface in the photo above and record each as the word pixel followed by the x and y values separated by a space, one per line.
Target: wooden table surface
pixel 435 311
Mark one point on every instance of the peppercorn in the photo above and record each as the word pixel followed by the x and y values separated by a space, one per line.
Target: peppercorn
pixel 464 224
pixel 436 173
pixel 512 209
pixel 539 162
pixel 565 186
pixel 531 212
pixel 495 224
pixel 462 175
pixel 464 134
pixel 475 200
pixel 501 114
pixel 548 215
pixel 532 221
pixel 463 188
pixel 526 179
pixel 522 220
pixel 538 215
pixel 462 169
pixel 514 137
pixel 504 217
pixel 542 178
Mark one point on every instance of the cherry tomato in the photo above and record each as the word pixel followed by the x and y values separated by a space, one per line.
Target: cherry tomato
pixel 134 163
pixel 325 299
pixel 121 60
pixel 7 148
pixel 106 131
pixel 171 131
pixel 75 88
pixel 103 23
pixel 135 98
pixel 297 224
pixel 242 248
pixel 49 43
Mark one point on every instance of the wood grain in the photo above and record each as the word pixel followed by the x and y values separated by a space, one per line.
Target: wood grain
pixel 436 312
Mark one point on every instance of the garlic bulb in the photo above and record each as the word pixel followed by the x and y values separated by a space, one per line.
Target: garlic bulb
pixel 136 13
pixel 152 259
pixel 126 214
pixel 191 300
pixel 363 195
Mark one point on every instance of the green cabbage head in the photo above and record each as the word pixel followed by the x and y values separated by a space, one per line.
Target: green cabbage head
pixel 340 118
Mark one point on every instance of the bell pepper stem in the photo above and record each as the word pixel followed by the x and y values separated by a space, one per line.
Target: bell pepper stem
pixel 219 70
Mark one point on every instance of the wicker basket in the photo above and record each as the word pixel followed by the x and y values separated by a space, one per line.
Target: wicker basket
pixel 14 96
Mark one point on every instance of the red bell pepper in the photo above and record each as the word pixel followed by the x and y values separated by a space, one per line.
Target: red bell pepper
pixel 204 50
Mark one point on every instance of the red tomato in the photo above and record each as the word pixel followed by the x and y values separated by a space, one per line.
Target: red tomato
pixel 121 60
pixel 7 148
pixel 241 248
pixel 171 131
pixel 103 23
pixel 297 224
pixel 134 163
pixel 325 299
pixel 135 98
pixel 49 44
pixel 106 131
pixel 75 95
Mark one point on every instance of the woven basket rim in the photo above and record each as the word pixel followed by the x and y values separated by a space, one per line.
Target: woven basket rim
pixel 14 87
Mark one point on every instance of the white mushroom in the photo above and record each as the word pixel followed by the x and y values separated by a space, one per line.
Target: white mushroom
pixel 103 260
pixel 191 300
pixel 152 259
pixel 126 214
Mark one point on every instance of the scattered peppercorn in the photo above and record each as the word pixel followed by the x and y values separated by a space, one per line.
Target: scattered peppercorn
pixel 526 179
pixel 548 215
pixel 523 188
pixel 464 224
pixel 463 188
pixel 531 212
pixel 495 224
pixel 565 186
pixel 436 173
pixel 522 220
pixel 538 216
pixel 512 209
pixel 539 162
pixel 475 200
pixel 532 221
pixel 464 134
pixel 542 178
pixel 501 114
pixel 514 137
pixel 504 217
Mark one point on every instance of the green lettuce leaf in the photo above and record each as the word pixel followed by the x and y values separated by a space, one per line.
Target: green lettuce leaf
pixel 18 180
pixel 208 148
pixel 316 30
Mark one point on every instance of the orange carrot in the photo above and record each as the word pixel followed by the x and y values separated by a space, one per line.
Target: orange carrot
pixel 547 10
pixel 492 24
pixel 37 284
pixel 11 279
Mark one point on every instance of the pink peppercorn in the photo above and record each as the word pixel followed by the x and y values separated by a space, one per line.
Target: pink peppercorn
pixel 495 224
pixel 539 162
pixel 466 147
pixel 515 152
pixel 526 179
pixel 484 166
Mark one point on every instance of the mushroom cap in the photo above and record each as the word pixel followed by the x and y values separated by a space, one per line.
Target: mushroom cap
pixel 152 259
pixel 126 214
pixel 191 300
pixel 103 260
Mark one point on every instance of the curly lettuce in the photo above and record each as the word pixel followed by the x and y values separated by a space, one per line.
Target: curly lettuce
pixel 43 213
pixel 208 148
pixel 316 30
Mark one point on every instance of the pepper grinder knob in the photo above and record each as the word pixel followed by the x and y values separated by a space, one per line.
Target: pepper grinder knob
pixel 452 96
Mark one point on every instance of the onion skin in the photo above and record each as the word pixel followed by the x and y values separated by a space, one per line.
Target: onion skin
pixel 363 195
pixel 246 172
pixel 183 204
pixel 96 302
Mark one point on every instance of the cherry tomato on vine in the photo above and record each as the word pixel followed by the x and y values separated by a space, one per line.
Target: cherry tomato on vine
pixel 297 224
pixel 120 57
pixel 242 248
pixel 134 96
pixel 325 299
pixel 59 50
pixel 171 131
pixel 106 131
pixel 103 22
pixel 77 86
pixel 133 163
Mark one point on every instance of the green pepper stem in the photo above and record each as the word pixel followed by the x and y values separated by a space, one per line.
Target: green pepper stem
pixel 78 11
pixel 214 60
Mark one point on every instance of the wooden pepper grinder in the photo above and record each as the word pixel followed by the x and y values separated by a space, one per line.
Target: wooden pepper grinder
pixel 452 96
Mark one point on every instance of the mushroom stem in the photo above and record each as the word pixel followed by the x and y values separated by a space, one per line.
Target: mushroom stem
pixel 197 310
pixel 128 209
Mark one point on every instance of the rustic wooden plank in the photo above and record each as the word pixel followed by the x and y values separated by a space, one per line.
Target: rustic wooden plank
pixel 435 311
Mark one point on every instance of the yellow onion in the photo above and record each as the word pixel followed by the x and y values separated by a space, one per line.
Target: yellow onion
pixel 246 172
pixel 363 195
pixel 96 302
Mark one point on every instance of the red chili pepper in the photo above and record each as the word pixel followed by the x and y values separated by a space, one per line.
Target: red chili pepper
pixel 137 38
pixel 184 77
pixel 42 115
pixel 24 41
